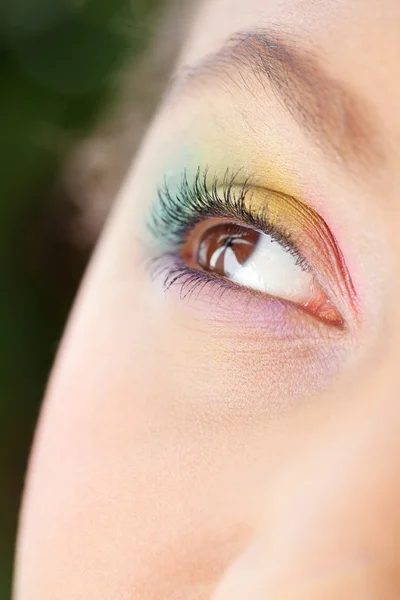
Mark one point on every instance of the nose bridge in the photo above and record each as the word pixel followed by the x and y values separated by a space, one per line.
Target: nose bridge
pixel 331 526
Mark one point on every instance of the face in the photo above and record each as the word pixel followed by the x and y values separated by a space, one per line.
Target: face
pixel 223 417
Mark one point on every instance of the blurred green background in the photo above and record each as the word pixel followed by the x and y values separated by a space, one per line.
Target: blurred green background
pixel 60 66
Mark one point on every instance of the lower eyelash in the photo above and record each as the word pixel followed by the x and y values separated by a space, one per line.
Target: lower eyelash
pixel 175 273
pixel 191 283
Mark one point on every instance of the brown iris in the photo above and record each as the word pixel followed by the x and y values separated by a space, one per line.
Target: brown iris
pixel 218 240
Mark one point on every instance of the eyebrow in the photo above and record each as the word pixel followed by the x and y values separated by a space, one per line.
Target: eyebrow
pixel 341 121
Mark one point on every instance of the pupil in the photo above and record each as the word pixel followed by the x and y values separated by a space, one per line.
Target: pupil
pixel 220 239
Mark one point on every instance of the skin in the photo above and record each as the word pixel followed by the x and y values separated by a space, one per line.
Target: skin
pixel 188 450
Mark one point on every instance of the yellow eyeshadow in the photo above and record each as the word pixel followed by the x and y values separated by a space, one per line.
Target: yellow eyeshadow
pixel 283 211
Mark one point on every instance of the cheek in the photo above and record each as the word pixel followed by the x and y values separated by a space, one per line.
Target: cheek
pixel 154 420
pixel 130 484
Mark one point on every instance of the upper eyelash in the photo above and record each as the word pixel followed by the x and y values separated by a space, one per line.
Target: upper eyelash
pixel 174 215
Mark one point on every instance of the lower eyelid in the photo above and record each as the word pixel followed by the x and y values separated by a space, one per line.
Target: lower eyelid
pixel 217 300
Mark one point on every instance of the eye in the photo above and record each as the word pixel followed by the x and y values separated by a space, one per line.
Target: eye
pixel 250 239
pixel 256 260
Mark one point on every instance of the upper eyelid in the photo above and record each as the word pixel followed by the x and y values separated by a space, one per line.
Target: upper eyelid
pixel 197 197
pixel 228 196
